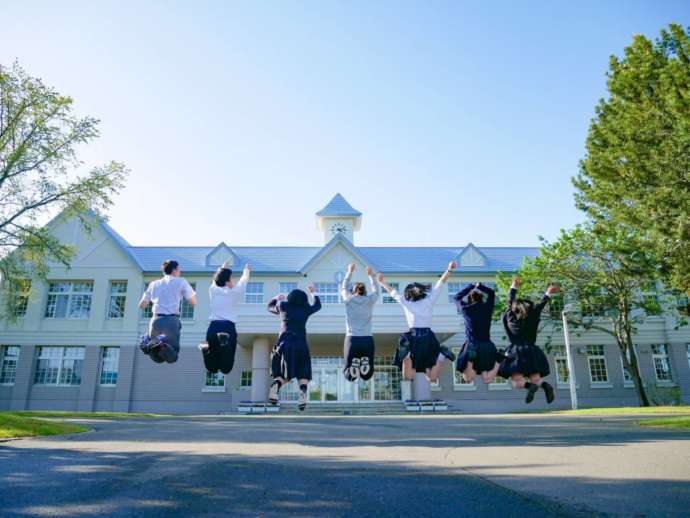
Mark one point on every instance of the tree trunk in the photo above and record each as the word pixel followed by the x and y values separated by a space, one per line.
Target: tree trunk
pixel 627 349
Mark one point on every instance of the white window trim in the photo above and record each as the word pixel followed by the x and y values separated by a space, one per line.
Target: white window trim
pixel 598 384
pixel 668 382
pixel 626 383
pixel 322 294
pixel 62 359
pixel 112 295
pixel 507 385
pixel 251 375
pixel 436 385
pixel 386 299
pixel 207 388
pixel 100 368
pixel 3 350
pixel 69 294
pixel 26 295
pixel 247 293
pixel 287 291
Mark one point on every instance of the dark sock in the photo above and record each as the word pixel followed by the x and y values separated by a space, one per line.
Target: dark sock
pixel 528 384
pixel 303 388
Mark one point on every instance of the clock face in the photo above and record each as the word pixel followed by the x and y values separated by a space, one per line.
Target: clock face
pixel 338 228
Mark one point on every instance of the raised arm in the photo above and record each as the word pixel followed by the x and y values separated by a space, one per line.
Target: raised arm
pixel 393 293
pixel 545 298
pixel 464 292
pixel 436 291
pixel 316 306
pixel 273 304
pixel 242 283
pixel 490 293
pixel 345 285
pixel 374 288
pixel 513 291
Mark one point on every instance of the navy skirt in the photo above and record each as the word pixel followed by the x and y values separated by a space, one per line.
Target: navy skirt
pixel 482 354
pixel 524 359
pixel 424 348
pixel 291 358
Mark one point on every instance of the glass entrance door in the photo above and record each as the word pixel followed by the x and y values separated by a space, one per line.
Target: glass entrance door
pixel 328 385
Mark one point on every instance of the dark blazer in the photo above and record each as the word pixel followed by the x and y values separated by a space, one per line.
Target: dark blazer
pixel 294 318
pixel 523 332
pixel 477 316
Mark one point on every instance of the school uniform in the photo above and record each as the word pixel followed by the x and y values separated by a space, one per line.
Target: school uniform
pixel 523 356
pixel 291 358
pixel 224 306
pixel 359 340
pixel 420 340
pixel 478 347
pixel 166 295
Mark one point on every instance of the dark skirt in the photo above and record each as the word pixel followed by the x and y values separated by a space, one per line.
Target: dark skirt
pixel 360 347
pixel 524 359
pixel 424 348
pixel 220 358
pixel 291 358
pixel 482 354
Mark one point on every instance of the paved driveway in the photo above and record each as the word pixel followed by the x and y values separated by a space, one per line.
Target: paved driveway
pixel 446 465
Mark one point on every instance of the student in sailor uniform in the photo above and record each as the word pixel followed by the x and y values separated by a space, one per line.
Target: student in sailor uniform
pixel 524 359
pixel 291 358
pixel 162 344
pixel 358 349
pixel 221 337
pixel 478 355
pixel 418 349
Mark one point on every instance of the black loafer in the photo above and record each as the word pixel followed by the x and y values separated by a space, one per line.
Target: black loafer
pixel 531 392
pixel 447 353
pixel 548 390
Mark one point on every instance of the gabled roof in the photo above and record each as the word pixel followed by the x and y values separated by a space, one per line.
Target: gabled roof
pixel 338 206
pixel 338 239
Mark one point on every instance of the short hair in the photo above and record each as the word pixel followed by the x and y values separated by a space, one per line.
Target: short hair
pixel 522 308
pixel 416 291
pixel 222 277
pixel 298 298
pixel 359 289
pixel 170 266
pixel 475 296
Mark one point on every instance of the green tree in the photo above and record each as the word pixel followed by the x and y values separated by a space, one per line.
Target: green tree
pixel 39 137
pixel 637 166
pixel 610 280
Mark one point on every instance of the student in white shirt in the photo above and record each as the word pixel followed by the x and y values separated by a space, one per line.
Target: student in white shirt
pixel 221 337
pixel 162 344
pixel 418 349
pixel 358 349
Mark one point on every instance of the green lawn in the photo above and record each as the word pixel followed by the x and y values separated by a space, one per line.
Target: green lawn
pixel 88 415
pixel 671 422
pixel 627 410
pixel 13 425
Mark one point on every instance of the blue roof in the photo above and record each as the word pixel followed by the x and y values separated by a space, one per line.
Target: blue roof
pixel 338 206
pixel 286 260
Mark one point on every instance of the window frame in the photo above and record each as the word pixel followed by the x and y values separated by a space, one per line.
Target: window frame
pixel 5 361
pixel 186 309
pixel 116 295
pixel 21 299
pixel 109 360
pixel 385 297
pixel 71 295
pixel 599 357
pixel 330 295
pixel 61 359
pixel 248 293
pixel 209 377
pixel 665 356
pixel 246 379
pixel 282 287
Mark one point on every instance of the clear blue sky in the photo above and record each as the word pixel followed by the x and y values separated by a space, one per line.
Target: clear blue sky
pixel 443 122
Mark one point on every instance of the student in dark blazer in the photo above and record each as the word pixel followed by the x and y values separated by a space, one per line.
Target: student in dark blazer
pixel 291 358
pixel 478 355
pixel 524 359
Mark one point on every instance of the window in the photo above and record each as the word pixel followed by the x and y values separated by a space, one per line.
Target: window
pixel 328 291
pixel 500 383
pixel 117 299
pixel 254 293
pixel 214 382
pixel 455 287
pixel 560 360
pixel 458 380
pixel 687 352
pixel 627 378
pixel 246 379
pixel 597 364
pixel 21 298
pixel 287 287
pixel 69 299
pixel 110 359
pixel 147 312
pixel 186 309
pixel 59 365
pixel 387 299
pixel 8 367
pixel 662 366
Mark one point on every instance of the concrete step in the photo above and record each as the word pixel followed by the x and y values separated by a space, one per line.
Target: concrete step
pixel 393 407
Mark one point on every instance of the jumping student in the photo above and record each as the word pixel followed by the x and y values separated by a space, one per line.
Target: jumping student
pixel 291 358
pixel 419 349
pixel 162 343
pixel 524 358
pixel 221 337
pixel 358 349
pixel 478 355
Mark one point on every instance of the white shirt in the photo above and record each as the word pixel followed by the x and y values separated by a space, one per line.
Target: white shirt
pixel 419 313
pixel 166 295
pixel 224 301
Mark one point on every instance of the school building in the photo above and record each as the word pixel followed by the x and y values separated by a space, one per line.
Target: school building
pixel 74 343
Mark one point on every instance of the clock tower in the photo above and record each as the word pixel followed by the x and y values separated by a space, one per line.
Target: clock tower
pixel 338 217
